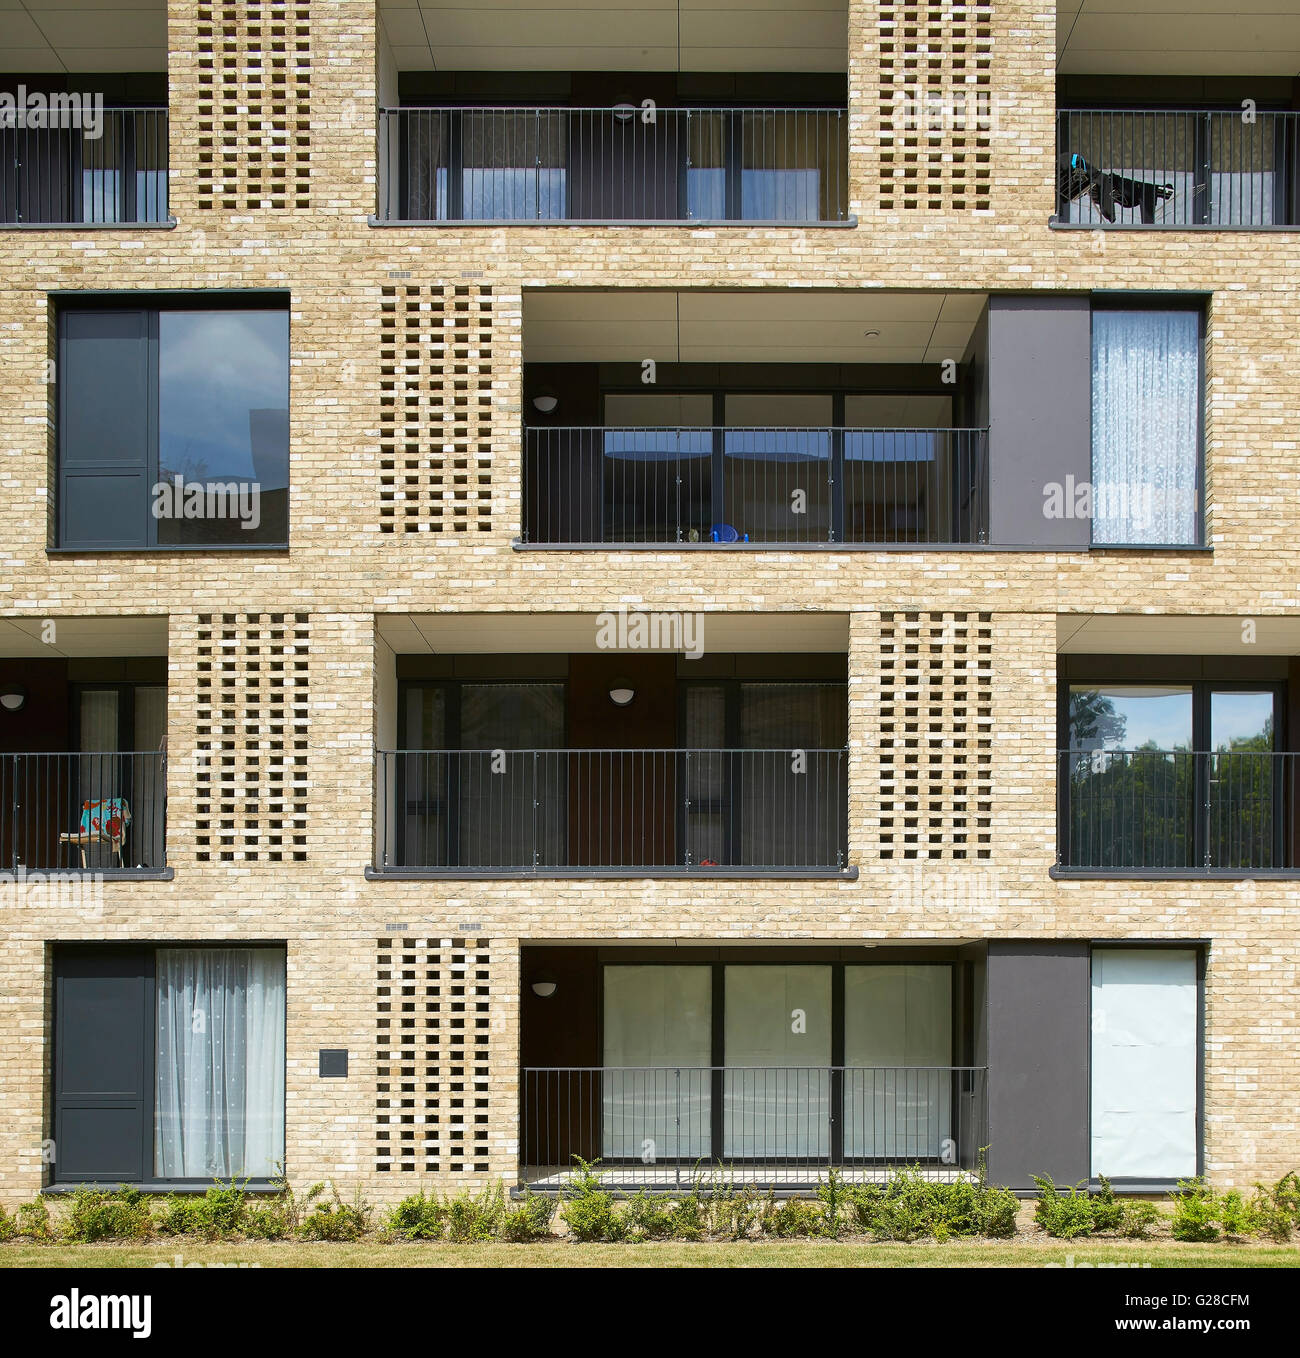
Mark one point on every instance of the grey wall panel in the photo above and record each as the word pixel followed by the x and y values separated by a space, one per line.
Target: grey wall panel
pixel 1040 415
pixel 1038 1001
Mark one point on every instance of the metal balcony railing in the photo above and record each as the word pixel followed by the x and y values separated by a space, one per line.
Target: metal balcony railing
pixel 60 175
pixel 883 487
pixel 540 811
pixel 1186 168
pixel 92 811
pixel 1230 811
pixel 778 1126
pixel 624 164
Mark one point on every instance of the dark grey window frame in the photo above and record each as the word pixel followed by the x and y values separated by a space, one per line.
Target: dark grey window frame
pixel 148 306
pixel 60 953
pixel 1157 301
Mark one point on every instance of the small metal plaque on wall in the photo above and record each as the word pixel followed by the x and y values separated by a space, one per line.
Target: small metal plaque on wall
pixel 333 1063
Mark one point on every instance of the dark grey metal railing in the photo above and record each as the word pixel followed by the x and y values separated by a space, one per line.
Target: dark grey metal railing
pixel 540 811
pixel 1177 810
pixel 47 799
pixel 1178 167
pixel 771 1125
pixel 886 487
pixel 448 163
pixel 61 175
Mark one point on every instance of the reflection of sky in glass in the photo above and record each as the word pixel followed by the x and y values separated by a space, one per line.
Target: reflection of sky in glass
pixel 1162 717
pixel 657 445
pixel 1238 716
pixel 220 375
pixel 779 445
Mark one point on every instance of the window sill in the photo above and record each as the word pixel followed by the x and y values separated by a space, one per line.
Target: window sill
pixel 677 223
pixel 194 1187
pixel 268 548
pixel 1064 874
pixel 169 224
pixel 609 874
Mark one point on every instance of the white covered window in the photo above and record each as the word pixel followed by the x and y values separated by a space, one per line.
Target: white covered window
pixel 1144 1063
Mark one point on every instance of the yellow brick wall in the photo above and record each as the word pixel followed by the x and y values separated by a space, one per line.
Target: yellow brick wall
pixel 344 569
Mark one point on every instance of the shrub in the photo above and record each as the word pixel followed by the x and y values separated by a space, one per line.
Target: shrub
pixel 1276 1210
pixel 736 1214
pixel 687 1219
pixel 909 1208
pixel 1236 1216
pixel 474 1217
pixel 1137 1219
pixel 528 1218
pixel 179 1215
pixel 221 1212
pixel 1195 1212
pixel 1063 1216
pixel 649 1216
pixel 98 1215
pixel 996 1211
pixel 795 1217
pixel 834 1198
pixel 864 1206
pixel 33 1220
pixel 1107 1210
pixel 336 1219
pixel 8 1225
pixel 416 1217
pixel 589 1211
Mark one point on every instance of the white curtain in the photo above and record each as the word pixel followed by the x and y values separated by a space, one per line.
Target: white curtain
pixel 220 1063
pixel 1146 401
pixel 658 1047
pixel 776 1088
pixel 897 1048
pixel 1144 1015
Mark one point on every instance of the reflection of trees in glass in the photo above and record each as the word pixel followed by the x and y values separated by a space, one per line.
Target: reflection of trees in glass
pixel 1094 721
pixel 1138 808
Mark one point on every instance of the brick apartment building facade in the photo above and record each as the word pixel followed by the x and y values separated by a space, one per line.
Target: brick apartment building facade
pixel 354 823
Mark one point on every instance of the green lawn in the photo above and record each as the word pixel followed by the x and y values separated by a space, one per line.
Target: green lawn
pixel 1027 1250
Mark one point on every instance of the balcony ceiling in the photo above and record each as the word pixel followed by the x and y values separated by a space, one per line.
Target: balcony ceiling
pixel 83 637
pixel 617 35
pixel 1178 37
pixel 1133 634
pixel 575 633
pixel 574 326
pixel 83 35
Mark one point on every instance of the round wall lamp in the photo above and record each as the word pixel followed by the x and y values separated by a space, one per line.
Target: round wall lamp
pixel 621 692
pixel 624 111
pixel 544 985
pixel 545 401
pixel 13 697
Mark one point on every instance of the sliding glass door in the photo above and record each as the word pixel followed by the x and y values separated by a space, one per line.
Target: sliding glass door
pixel 656 1087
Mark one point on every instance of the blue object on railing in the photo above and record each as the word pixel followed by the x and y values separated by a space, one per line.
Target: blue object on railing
pixel 724 532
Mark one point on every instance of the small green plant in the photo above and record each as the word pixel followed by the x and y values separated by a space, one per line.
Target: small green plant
pixel 419 1216
pixel 649 1216
pixel 1276 1209
pixel 527 1218
pixel 178 1215
pixel 909 1208
pixel 33 1220
pixel 8 1225
pixel 1107 1210
pixel 1236 1216
pixel 95 1214
pixel 735 1214
pixel 334 1219
pixel 589 1210
pixel 1195 1212
pixel 688 1217
pixel 472 1217
pixel 1137 1219
pixel 864 1207
pixel 795 1218
pixel 1064 1216
pixel 222 1212
pixel 834 1198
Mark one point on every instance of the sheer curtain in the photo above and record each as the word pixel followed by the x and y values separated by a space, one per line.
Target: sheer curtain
pixel 1146 402
pixel 220 1063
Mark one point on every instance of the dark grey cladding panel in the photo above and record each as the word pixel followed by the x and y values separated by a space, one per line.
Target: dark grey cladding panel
pixel 1038 1045
pixel 1040 416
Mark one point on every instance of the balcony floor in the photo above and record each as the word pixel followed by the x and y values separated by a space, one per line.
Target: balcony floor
pixel 668 1177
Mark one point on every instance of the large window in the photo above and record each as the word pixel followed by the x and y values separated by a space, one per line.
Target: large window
pixel 169 1063
pixel 1146 427
pixel 1144 1063
pixel 1174 776
pixel 174 427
